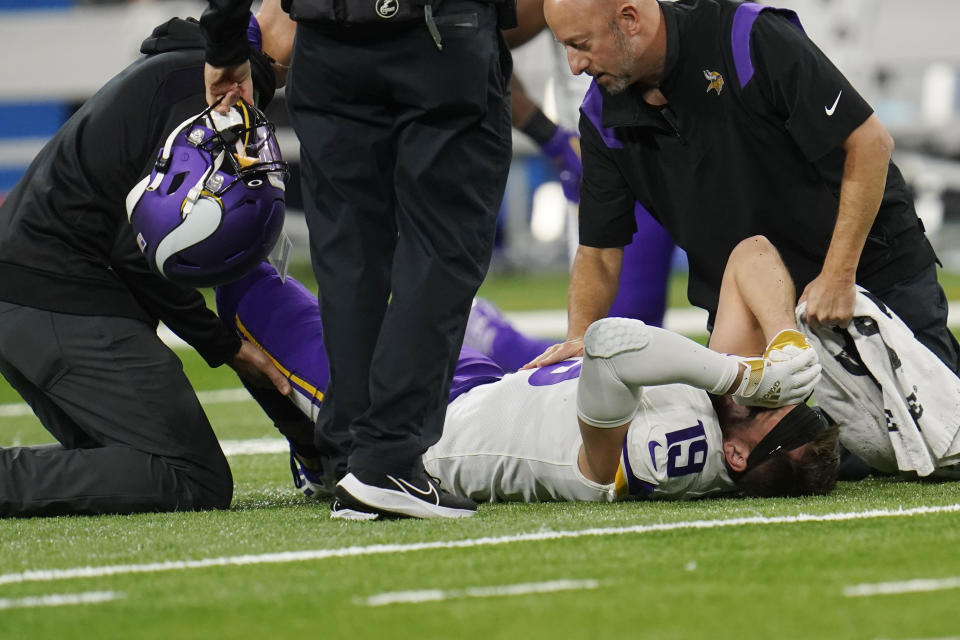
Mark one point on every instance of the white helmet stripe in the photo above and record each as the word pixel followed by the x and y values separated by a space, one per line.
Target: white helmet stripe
pixel 203 220
pixel 134 196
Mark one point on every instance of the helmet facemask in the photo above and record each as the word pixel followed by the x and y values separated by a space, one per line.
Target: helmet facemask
pixel 213 206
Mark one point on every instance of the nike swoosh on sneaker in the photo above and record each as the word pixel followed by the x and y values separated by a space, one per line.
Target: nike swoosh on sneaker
pixel 404 485
pixel 829 111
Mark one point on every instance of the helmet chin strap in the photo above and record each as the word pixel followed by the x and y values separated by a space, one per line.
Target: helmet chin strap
pixel 203 220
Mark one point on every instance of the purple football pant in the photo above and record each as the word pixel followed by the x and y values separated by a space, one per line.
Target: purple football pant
pixel 646 266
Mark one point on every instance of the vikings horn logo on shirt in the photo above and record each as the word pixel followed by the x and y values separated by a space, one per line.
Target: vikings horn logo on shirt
pixel 716 81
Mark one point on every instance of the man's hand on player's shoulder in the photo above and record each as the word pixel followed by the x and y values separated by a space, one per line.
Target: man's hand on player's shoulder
pixel 572 348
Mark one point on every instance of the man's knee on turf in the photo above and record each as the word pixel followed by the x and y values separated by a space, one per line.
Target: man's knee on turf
pixel 208 487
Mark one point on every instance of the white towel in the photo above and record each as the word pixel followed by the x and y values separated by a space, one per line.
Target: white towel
pixel 897 404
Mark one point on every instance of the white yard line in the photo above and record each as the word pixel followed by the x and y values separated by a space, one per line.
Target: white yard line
pixel 437 595
pixel 51 575
pixel 905 586
pixel 59 599
pixel 254 446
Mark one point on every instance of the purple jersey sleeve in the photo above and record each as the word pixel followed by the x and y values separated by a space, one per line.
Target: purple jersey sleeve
pixel 283 319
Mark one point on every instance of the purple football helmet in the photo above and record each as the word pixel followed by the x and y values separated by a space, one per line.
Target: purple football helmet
pixel 213 206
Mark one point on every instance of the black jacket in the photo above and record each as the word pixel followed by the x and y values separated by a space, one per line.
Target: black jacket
pixel 65 244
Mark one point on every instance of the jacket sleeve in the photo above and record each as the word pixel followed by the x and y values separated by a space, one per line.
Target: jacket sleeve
pixel 181 308
pixel 224 26
pixel 606 202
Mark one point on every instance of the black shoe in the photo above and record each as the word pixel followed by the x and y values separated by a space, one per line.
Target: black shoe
pixel 367 496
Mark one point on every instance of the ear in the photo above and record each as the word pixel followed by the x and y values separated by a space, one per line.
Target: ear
pixel 628 19
pixel 736 454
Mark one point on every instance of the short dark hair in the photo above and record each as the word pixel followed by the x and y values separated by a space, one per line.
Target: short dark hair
pixel 814 475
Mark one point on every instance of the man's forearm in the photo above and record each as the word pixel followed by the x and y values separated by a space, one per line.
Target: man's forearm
pixel 868 150
pixel 594 279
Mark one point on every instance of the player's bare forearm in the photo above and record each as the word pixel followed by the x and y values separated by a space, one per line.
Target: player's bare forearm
pixel 522 107
pixel 757 299
pixel 599 456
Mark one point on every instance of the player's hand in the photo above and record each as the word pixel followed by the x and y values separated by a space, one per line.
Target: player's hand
pixel 557 353
pixel 258 370
pixel 786 373
pixel 829 301
pixel 564 149
pixel 230 83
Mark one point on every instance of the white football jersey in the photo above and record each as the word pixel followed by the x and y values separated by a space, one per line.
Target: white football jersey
pixel 518 439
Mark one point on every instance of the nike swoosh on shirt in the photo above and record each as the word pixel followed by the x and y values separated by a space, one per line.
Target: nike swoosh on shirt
pixel 653 453
pixel 829 111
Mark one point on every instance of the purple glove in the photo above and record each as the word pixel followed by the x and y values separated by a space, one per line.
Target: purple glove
pixel 564 149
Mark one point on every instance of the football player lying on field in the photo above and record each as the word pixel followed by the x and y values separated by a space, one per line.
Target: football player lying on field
pixel 646 413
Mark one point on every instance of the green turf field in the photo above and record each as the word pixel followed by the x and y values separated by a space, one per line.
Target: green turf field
pixel 876 559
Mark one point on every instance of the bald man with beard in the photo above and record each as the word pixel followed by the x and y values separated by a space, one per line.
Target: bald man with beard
pixel 724 121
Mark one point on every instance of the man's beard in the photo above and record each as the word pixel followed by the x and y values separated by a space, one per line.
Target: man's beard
pixel 732 416
pixel 619 81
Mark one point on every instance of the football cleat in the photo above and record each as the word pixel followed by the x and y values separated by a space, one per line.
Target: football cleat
pixel 311 484
pixel 485 322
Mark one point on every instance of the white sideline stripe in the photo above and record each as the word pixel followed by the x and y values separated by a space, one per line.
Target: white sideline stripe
pixel 553 323
pixel 224 396
pixel 216 396
pixel 60 599
pixel 50 575
pixel 437 595
pixel 546 324
pixel 254 446
pixel 688 321
pixel 906 586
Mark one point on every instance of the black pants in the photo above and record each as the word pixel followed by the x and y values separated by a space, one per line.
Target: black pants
pixel 922 305
pixel 404 155
pixel 132 434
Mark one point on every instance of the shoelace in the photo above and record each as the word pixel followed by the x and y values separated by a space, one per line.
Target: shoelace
pixel 295 471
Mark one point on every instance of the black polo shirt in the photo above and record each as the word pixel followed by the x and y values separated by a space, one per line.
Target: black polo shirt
pixel 750 142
